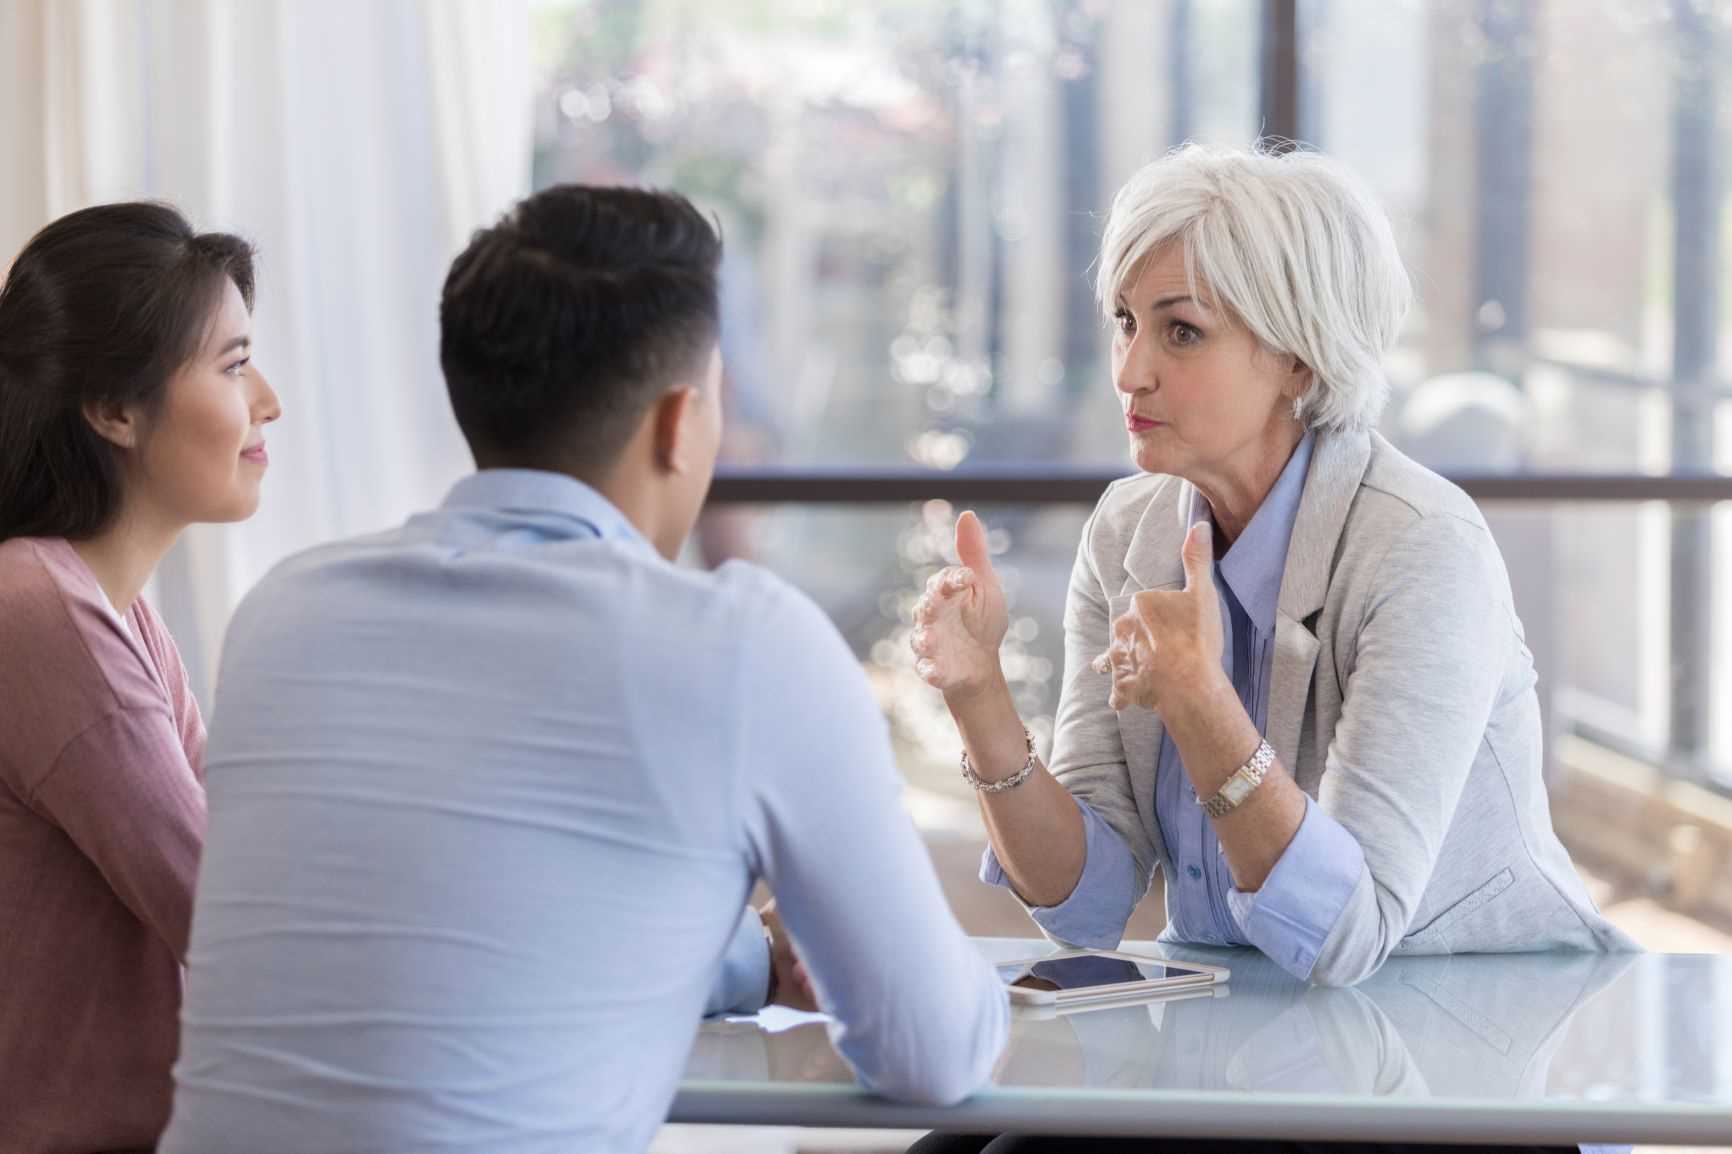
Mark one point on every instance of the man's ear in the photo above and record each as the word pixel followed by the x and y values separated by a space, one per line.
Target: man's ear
pixel 673 417
pixel 114 422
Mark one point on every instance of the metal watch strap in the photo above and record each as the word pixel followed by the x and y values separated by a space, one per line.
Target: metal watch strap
pixel 1021 775
pixel 1250 774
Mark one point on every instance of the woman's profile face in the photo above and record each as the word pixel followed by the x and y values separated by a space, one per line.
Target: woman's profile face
pixel 202 457
pixel 1199 392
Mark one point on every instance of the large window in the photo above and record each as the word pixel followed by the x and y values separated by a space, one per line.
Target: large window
pixel 912 194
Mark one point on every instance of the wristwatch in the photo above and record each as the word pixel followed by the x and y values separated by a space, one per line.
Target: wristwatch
pixel 1242 784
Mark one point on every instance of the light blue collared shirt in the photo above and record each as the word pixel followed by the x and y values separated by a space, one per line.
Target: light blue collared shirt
pixel 1291 916
pixel 487 794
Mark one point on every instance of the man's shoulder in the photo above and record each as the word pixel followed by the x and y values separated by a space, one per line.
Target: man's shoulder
pixel 307 565
pixel 630 587
pixel 765 602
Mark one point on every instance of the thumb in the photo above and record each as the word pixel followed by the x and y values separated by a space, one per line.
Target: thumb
pixel 1200 557
pixel 971 547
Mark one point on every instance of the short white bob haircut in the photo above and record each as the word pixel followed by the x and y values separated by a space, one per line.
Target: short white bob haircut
pixel 1292 245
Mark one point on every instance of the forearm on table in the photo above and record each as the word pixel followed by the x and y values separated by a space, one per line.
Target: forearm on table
pixel 1215 737
pixel 1036 828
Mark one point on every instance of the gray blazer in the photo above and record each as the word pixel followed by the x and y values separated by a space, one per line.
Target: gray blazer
pixel 1402 700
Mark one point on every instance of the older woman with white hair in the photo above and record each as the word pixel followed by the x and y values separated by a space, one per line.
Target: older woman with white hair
pixel 1295 681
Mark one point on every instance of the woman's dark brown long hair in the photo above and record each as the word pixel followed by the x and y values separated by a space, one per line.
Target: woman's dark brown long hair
pixel 102 306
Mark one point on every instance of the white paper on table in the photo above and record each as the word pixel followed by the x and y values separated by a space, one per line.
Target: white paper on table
pixel 775 1019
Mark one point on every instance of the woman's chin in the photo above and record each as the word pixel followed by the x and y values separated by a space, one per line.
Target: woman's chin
pixel 239 506
pixel 1148 458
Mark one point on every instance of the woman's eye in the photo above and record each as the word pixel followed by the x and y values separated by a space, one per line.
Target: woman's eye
pixel 1126 323
pixel 234 370
pixel 1184 334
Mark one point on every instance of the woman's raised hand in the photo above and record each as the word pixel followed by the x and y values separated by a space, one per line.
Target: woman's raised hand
pixel 1169 642
pixel 960 620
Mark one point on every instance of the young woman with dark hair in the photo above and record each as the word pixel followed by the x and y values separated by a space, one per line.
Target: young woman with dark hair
pixel 129 409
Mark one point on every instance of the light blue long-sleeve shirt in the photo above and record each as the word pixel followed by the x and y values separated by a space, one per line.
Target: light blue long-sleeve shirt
pixel 487 794
pixel 1291 915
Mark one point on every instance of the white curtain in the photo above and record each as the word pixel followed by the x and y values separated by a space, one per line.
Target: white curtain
pixel 358 145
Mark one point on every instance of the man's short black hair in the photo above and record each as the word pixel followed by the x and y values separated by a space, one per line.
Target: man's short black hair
pixel 564 322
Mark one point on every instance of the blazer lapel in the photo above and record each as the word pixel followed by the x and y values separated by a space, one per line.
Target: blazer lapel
pixel 1152 561
pixel 1289 690
pixel 1338 465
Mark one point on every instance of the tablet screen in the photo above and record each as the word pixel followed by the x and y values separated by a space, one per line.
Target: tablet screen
pixel 1088 971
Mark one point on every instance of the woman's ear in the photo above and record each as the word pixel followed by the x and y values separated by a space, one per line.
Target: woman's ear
pixel 1300 380
pixel 114 422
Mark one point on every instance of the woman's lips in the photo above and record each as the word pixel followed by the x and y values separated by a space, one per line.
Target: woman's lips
pixel 1138 424
pixel 257 454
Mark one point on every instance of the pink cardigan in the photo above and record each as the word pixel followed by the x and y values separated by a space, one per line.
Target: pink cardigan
pixel 102 816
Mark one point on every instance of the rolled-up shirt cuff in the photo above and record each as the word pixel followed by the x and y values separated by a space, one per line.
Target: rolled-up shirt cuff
pixel 1291 917
pixel 742 982
pixel 1095 913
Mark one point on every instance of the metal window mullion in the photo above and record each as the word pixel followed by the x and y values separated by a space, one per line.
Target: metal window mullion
pixel 1279 85
pixel 1695 210
pixel 1085 486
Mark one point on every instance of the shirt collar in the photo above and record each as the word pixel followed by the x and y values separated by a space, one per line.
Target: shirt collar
pixel 1253 567
pixel 537 494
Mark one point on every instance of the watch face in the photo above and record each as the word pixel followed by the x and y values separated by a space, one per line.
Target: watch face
pixel 1241 785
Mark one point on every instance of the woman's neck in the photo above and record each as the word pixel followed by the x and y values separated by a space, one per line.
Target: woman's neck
pixel 123 556
pixel 1237 489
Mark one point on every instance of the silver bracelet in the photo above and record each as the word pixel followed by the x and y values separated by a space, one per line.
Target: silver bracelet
pixel 973 779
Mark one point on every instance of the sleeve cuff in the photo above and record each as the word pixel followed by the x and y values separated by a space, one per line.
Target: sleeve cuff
pixel 742 981
pixel 1095 913
pixel 1291 917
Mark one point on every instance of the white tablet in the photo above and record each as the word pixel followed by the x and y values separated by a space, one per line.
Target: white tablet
pixel 1155 1004
pixel 1075 977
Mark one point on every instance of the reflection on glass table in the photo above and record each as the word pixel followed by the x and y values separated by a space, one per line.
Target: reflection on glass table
pixel 1076 978
pixel 1555 1048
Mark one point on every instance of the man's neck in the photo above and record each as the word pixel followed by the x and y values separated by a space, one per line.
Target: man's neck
pixel 636 493
pixel 632 484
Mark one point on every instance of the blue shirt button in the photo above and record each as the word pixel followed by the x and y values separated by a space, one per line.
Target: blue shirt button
pixel 1194 872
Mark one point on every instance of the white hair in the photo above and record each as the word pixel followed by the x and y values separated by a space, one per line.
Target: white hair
pixel 1292 245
